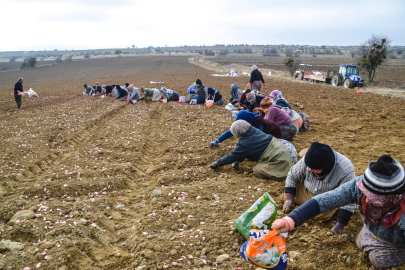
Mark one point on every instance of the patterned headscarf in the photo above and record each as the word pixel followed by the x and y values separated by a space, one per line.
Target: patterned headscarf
pixel 276 94
pixel 20 80
pixel 167 92
pixel 239 128
pixel 384 209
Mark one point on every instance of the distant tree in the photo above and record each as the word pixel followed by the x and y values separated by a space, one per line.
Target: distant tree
pixel 289 53
pixel 133 46
pixel 117 52
pixel 87 55
pixel 223 52
pixel 314 55
pixel 209 53
pixel 270 52
pixel 248 50
pixel 373 54
pixel 352 53
pixel 13 58
pixel 200 52
pixel 69 58
pixel 24 65
pixel 399 51
pixel 297 54
pixel 32 61
pixel 291 66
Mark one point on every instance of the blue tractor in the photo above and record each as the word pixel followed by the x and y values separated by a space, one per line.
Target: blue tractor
pixel 348 76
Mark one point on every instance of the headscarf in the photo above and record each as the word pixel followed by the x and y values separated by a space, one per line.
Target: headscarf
pixel 234 87
pixel 104 86
pixel 276 94
pixel 247 116
pixel 97 83
pixel 20 80
pixel 130 87
pixel 239 128
pixel 166 92
pixel 141 89
pixel 384 209
pixel 212 91
pixel 85 85
pixel 254 67
pixel 251 97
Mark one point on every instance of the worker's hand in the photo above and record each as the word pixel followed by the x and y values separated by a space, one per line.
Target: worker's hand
pixel 264 85
pixel 214 165
pixel 288 206
pixel 283 225
pixel 339 228
pixel 214 143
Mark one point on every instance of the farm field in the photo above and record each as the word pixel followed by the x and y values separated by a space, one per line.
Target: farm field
pixel 111 185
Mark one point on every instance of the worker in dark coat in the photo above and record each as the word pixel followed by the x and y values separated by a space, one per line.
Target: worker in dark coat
pixel 18 92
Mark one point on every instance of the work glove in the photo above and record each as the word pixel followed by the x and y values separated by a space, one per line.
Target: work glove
pixel 288 205
pixel 214 143
pixel 214 165
pixel 235 165
pixel 339 228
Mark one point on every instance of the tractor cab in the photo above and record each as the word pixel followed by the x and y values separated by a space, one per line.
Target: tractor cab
pixel 303 72
pixel 349 71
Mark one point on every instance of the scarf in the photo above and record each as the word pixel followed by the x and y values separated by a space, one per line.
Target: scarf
pixel 277 95
pixel 234 89
pixel 247 116
pixel 239 128
pixel 167 92
pixel 384 209
pixel 20 80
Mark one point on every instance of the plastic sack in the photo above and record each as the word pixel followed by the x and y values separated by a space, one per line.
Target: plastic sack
pixel 267 249
pixel 230 107
pixel 31 93
pixel 182 99
pixel 235 113
pixel 209 103
pixel 164 100
pixel 193 102
pixel 259 216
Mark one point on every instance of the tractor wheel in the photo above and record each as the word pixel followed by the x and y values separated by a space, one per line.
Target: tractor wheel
pixel 336 80
pixel 348 83
pixel 300 76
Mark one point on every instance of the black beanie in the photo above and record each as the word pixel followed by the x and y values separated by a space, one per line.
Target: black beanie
pixel 198 81
pixel 127 84
pixel 384 176
pixel 319 156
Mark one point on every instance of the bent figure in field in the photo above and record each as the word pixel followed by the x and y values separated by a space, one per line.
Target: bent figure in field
pixel 321 170
pixel 133 93
pixel 153 93
pixel 18 92
pixel 107 89
pixel 254 100
pixel 89 89
pixel 213 94
pixel 236 94
pixel 201 92
pixel 98 90
pixel 191 92
pixel 278 99
pixel 256 79
pixel 120 92
pixel 267 126
pixel 273 158
pixel 168 94
pixel 282 118
pixel 243 102
pixel 380 195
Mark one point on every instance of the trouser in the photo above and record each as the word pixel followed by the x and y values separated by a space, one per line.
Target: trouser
pixel 17 100
pixel 274 163
pixel 200 99
pixel 302 195
pixel 289 131
pixel 190 97
pixel 174 97
pixel 381 253
pixel 219 102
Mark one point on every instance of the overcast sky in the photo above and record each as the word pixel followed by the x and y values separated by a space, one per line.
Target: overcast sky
pixel 92 24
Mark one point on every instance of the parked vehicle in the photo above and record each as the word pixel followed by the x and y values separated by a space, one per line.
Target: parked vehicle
pixel 347 76
pixel 305 72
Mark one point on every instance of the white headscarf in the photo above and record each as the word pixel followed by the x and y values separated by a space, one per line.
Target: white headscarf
pixel 239 128
pixel 166 92
pixel 254 67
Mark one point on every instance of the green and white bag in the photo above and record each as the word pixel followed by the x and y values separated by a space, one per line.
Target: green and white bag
pixel 259 216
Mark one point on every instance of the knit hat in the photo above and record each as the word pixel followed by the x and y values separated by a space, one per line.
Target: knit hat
pixel 250 96
pixel 319 156
pixel 239 127
pixel 266 103
pixel 234 87
pixel 85 85
pixel 104 86
pixel 384 176
pixel 126 84
pixel 198 81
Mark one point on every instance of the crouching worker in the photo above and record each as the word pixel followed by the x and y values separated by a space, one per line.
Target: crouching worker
pixel 273 158
pixel 213 94
pixel 168 94
pixel 191 92
pixel 153 93
pixel 201 92
pixel 321 170
pixel 133 94
pixel 267 126
pixel 380 195
pixel 89 89
pixel 236 94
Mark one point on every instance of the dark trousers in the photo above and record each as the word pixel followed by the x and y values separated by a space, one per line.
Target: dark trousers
pixel 17 100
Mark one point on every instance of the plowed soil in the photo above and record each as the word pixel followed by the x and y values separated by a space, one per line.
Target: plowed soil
pixel 121 186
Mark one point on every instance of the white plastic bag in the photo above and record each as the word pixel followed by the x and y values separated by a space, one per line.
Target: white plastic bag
pixel 31 93
pixel 230 107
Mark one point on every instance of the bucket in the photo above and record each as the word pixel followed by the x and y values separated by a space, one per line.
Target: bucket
pixel 84 93
pixel 102 96
pixel 134 101
pixel 164 100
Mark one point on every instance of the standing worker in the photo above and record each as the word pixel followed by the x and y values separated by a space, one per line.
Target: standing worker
pixel 18 92
pixel 256 79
